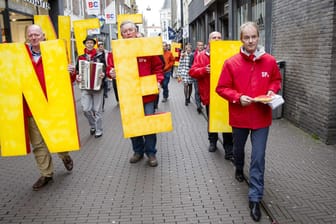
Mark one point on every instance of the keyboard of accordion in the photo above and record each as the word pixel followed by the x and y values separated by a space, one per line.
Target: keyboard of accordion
pixel 89 72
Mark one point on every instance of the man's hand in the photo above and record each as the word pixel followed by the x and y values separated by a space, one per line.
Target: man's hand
pixel 207 68
pixel 101 75
pixel 245 100
pixel 71 68
pixel 78 78
pixel 113 73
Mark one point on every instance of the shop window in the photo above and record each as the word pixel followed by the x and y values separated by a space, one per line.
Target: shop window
pixel 242 17
pixel 258 16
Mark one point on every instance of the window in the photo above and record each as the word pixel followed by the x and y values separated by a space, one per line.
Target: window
pixel 258 16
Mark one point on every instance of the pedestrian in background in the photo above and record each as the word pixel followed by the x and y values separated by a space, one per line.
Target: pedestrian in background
pixel 41 153
pixel 199 49
pixel 169 63
pixel 250 73
pixel 147 66
pixel 200 70
pixel 183 72
pixel 106 80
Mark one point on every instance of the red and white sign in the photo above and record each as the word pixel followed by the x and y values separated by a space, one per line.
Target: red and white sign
pixel 93 7
pixel 110 13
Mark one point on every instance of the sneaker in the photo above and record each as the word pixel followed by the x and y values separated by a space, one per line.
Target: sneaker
pixel 41 182
pixel 98 134
pixel 68 163
pixel 152 161
pixel 164 100
pixel 92 131
pixel 136 158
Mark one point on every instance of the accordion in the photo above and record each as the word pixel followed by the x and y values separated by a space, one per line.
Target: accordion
pixel 89 71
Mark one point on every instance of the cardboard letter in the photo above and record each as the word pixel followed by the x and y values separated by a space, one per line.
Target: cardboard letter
pixel 131 87
pixel 219 111
pixel 55 114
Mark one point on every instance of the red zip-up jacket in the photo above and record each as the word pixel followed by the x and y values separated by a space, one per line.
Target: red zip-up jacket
pixel 198 72
pixel 38 67
pixel 147 66
pixel 244 76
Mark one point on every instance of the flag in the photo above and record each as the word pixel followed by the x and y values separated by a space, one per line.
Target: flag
pixel 171 33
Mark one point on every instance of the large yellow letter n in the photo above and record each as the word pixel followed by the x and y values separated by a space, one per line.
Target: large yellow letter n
pixel 55 114
pixel 131 87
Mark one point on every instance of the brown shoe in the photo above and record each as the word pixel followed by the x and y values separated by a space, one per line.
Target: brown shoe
pixel 136 158
pixel 68 163
pixel 41 182
pixel 152 161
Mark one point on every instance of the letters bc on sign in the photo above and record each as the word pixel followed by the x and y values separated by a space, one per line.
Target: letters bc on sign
pixel 93 7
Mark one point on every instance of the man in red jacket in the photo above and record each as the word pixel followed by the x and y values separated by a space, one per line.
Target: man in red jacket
pixel 200 70
pixel 147 66
pixel 246 75
pixel 167 70
pixel 42 155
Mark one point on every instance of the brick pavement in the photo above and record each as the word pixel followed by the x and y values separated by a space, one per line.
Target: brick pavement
pixel 190 185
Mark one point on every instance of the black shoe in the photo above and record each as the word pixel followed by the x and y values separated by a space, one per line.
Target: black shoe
pixel 212 147
pixel 92 131
pixel 255 210
pixel 41 182
pixel 164 100
pixel 199 110
pixel 239 175
pixel 98 135
pixel 229 157
pixel 68 163
pixel 186 102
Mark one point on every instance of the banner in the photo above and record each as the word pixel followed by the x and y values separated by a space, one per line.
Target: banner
pixel 171 33
pixel 110 13
pixel 93 7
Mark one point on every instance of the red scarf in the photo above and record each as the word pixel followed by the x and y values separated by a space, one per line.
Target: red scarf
pixel 90 53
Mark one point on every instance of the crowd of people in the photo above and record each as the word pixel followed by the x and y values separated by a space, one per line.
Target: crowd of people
pixel 248 74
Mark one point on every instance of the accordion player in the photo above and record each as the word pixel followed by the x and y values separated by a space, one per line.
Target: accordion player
pixel 89 72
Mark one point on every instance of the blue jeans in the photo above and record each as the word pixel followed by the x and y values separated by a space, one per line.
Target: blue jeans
pixel 197 96
pixel 145 144
pixel 257 166
pixel 165 84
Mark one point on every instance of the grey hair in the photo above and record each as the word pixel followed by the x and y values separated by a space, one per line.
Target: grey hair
pixel 128 22
pixel 248 24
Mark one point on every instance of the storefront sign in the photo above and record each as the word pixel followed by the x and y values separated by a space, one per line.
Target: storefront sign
pixel 39 3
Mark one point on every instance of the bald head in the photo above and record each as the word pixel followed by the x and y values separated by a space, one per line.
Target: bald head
pixel 35 35
pixel 215 35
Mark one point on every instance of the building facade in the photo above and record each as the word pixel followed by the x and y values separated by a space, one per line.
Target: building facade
pixel 16 15
pixel 302 34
